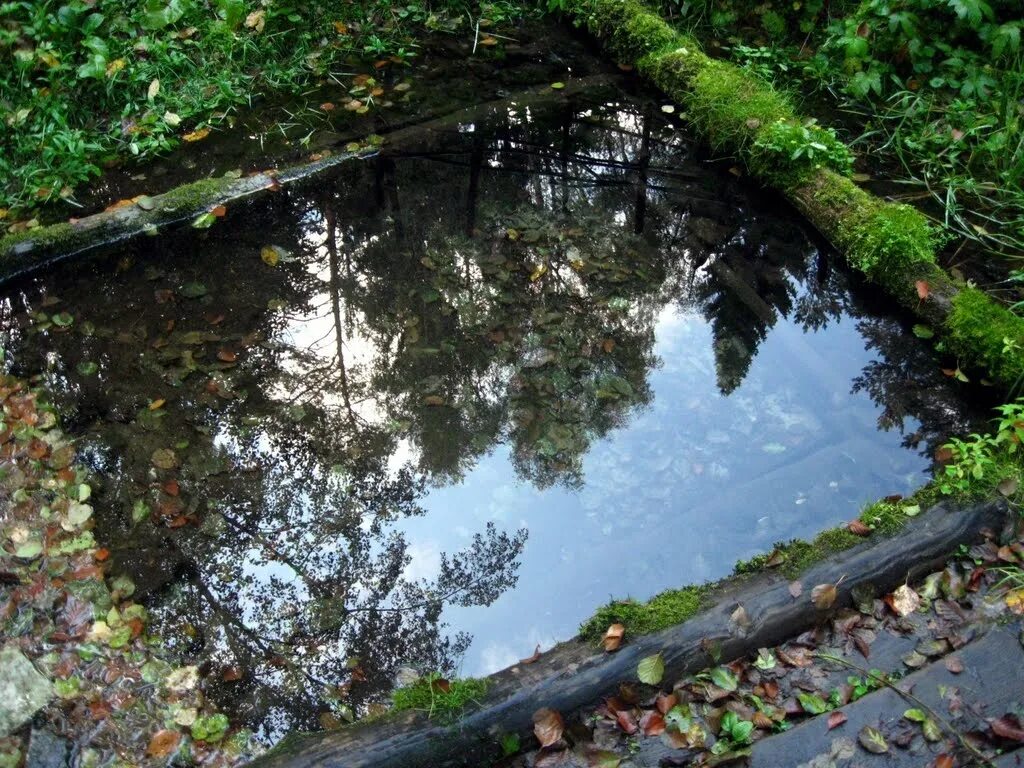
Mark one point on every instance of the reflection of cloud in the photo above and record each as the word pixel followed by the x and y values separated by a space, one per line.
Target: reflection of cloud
pixel 424 561
pixel 496 656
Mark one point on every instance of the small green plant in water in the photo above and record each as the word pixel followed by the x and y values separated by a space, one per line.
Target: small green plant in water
pixel 439 697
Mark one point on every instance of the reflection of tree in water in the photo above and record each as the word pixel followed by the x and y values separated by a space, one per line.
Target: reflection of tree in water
pixel 496 287
pixel 905 381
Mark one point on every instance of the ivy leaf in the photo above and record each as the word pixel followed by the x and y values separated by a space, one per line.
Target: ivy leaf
pixel 812 704
pixel 651 669
pixel 724 678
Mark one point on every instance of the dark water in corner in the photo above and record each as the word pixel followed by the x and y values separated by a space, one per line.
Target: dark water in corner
pixel 529 363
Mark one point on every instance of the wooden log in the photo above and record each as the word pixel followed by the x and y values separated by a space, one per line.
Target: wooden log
pixel 576 673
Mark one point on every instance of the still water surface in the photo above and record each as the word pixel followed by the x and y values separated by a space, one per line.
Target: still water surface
pixel 434 410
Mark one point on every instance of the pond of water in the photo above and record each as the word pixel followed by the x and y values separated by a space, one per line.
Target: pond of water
pixel 433 410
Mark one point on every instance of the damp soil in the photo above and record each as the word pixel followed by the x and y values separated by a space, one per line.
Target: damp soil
pixel 431 410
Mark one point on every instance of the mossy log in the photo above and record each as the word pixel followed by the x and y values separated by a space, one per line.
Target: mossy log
pixel 578 673
pixel 740 115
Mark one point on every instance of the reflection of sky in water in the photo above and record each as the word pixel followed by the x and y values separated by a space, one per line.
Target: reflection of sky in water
pixel 690 485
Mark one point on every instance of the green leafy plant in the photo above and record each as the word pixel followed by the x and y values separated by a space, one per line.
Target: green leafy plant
pixel 89 83
pixel 807 144
pixel 982 461
pixel 733 733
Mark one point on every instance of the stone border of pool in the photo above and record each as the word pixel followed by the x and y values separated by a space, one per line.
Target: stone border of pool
pixel 32 249
pixel 574 673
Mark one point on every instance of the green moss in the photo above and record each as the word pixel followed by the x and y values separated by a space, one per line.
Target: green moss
pixel 663 610
pixel 194 195
pixel 884 240
pixel 643 34
pixel 979 329
pixel 428 695
pixel 51 235
pixel 730 105
pixel 674 70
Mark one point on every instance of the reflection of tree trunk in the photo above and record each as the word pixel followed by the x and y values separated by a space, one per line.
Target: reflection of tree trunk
pixel 563 155
pixel 643 162
pixel 476 160
pixel 387 192
pixel 330 218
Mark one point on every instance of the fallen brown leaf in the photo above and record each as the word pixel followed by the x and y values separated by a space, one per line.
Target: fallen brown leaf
pixel 613 637
pixel 824 596
pixel 835 719
pixel 1008 727
pixel 858 528
pixel 548 726
pixel 533 658
pixel 163 743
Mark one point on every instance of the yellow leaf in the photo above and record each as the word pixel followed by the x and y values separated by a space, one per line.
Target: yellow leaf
pixel 157 404
pixel 341 27
pixel 115 66
pixel 154 89
pixel 256 20
pixel 538 273
pixel 199 135
pixel 269 255
pixel 1015 600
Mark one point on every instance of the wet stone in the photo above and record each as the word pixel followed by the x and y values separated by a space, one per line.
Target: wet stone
pixel 23 690
pixel 46 750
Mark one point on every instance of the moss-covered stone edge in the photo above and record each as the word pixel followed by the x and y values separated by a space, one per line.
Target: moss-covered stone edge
pixel 740 114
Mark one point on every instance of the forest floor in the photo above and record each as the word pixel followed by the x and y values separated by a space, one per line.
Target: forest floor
pixel 82 681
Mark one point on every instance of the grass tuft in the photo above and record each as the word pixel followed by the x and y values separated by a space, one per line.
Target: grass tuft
pixel 428 695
